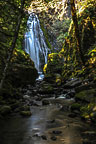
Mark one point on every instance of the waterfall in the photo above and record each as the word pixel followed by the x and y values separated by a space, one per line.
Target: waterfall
pixel 35 44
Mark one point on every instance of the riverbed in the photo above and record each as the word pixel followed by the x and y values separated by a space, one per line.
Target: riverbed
pixel 49 124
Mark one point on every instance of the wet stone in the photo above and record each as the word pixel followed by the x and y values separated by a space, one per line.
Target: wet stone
pixel 26 113
pixel 36 135
pixel 72 115
pixel 53 138
pixel 45 102
pixel 51 121
pixel 57 132
pixel 86 141
pixel 89 134
pixel 44 137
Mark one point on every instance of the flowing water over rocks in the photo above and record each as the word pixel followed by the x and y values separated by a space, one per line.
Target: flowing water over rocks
pixel 51 122
pixel 35 44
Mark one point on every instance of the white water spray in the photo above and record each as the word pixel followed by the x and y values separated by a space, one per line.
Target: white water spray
pixel 35 44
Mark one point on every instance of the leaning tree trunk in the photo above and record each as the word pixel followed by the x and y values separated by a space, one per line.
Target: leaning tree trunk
pixel 75 22
pixel 13 44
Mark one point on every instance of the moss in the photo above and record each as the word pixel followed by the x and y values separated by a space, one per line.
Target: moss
pixel 45 34
pixel 15 105
pixel 5 110
pixel 26 113
pixel 54 65
pixel 88 111
pixel 86 95
pixel 25 108
pixel 75 106
pixel 47 88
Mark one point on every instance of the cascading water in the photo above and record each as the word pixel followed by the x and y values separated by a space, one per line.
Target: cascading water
pixel 35 44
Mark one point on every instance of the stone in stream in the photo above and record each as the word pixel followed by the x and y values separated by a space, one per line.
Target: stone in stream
pixel 44 137
pixel 73 83
pixel 4 110
pixel 26 97
pixel 45 102
pixel 25 108
pixel 26 113
pixel 53 138
pixel 57 132
pixel 89 134
pixel 86 141
pixel 51 121
pixel 72 115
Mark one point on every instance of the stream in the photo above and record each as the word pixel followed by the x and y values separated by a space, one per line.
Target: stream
pixel 48 124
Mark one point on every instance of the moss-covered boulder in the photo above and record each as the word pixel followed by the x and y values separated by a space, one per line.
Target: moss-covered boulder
pixel 21 75
pixel 5 110
pixel 26 113
pixel 86 95
pixel 21 70
pixel 87 102
pixel 53 69
pixel 75 106
pixel 25 108
pixel 46 88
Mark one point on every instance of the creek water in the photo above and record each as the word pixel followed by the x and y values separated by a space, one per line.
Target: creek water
pixel 41 127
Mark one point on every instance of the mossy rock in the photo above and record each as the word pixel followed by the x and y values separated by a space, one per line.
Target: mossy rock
pixel 75 106
pixel 53 69
pixel 26 113
pixel 9 93
pixel 46 88
pixel 45 102
pixel 21 75
pixel 86 95
pixel 25 108
pixel 15 105
pixel 88 111
pixel 5 110
pixel 55 63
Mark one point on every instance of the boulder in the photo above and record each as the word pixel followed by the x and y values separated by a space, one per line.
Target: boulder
pixel 53 68
pixel 86 95
pixel 5 110
pixel 73 83
pixel 25 108
pixel 45 102
pixel 26 113
pixel 75 106
pixel 46 88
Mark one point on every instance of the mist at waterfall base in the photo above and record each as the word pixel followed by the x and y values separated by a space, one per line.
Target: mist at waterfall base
pixel 35 44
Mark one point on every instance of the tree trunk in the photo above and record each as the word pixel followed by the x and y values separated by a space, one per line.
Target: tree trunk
pixel 75 22
pixel 13 45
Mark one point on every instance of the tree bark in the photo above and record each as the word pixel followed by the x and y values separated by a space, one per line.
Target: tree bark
pixel 13 45
pixel 75 22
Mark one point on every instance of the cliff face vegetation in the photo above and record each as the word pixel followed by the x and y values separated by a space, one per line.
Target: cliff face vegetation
pixel 72 56
pixel 15 65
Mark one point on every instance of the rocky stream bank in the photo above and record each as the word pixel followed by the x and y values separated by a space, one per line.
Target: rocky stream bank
pixel 47 114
